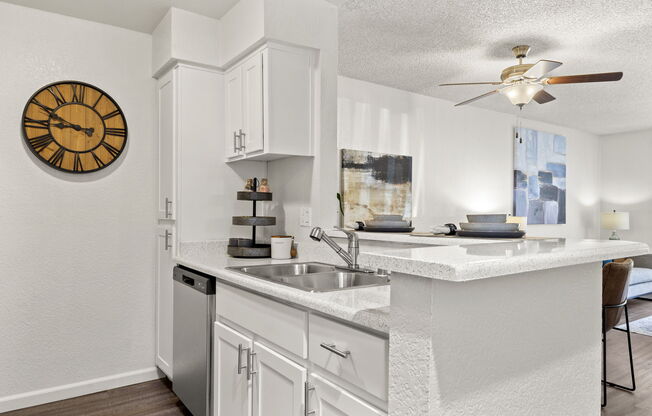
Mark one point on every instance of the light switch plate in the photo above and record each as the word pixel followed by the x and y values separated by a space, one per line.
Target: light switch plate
pixel 305 217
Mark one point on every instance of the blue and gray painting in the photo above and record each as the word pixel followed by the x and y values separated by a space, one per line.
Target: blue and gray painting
pixel 540 177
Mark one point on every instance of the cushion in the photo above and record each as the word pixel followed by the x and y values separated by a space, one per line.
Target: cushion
pixel 640 275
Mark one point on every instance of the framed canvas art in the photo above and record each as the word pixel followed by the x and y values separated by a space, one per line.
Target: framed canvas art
pixel 540 176
pixel 375 184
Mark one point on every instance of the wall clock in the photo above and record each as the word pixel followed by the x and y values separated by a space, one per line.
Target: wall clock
pixel 74 127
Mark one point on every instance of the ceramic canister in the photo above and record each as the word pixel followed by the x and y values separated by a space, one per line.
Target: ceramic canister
pixel 282 247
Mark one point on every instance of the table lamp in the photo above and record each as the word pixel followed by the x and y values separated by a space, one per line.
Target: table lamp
pixel 615 221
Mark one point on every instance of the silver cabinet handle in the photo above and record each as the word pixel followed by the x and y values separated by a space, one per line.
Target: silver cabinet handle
pixel 167 240
pixel 250 363
pixel 242 136
pixel 240 351
pixel 168 207
pixel 235 146
pixel 333 348
pixel 306 398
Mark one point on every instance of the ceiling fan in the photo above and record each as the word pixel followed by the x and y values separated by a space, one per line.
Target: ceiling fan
pixel 523 83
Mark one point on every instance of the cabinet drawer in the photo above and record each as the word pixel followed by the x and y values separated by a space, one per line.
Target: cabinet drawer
pixel 283 325
pixel 366 361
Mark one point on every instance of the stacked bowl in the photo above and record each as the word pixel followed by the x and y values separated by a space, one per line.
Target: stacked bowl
pixel 489 226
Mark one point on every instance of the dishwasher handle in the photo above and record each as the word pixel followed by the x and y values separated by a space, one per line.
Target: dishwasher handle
pixel 194 280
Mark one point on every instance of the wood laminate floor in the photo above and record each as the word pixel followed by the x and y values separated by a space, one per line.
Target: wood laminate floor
pixel 155 398
pixel 638 403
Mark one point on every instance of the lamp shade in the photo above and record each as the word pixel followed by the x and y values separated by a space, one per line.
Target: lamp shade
pixel 615 220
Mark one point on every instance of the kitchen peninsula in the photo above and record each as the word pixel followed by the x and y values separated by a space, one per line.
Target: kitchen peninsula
pixel 474 328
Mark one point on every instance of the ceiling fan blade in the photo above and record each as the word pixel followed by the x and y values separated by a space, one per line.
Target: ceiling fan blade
pixel 575 79
pixel 541 68
pixel 476 98
pixel 543 97
pixel 471 83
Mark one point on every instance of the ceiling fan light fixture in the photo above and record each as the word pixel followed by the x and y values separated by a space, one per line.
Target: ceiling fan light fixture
pixel 521 94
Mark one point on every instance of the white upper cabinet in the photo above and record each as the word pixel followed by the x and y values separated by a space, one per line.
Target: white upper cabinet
pixel 270 104
pixel 166 145
pixel 234 113
pixel 252 87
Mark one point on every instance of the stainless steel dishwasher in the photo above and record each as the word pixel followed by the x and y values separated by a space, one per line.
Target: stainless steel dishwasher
pixel 194 314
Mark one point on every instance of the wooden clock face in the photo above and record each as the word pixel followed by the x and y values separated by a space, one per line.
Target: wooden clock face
pixel 74 127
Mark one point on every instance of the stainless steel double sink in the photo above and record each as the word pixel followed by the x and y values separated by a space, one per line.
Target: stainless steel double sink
pixel 313 276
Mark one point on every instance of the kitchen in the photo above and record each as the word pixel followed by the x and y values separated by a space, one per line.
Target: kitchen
pixel 267 89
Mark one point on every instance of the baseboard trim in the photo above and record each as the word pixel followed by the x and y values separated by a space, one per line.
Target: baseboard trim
pixel 67 391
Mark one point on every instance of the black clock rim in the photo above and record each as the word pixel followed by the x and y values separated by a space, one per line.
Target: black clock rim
pixel 35 153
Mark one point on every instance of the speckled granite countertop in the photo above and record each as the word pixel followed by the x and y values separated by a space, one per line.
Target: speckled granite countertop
pixel 430 257
pixel 366 307
pixel 467 262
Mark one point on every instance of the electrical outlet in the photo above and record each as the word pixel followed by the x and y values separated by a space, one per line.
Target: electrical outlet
pixel 305 217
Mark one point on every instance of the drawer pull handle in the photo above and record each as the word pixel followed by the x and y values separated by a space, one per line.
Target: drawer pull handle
pixel 240 366
pixel 306 398
pixel 250 363
pixel 333 348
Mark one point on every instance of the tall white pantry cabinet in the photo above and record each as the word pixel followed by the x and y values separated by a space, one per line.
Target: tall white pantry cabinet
pixel 189 101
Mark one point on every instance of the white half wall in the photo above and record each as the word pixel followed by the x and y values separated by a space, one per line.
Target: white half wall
pixel 78 251
pixel 463 156
pixel 627 181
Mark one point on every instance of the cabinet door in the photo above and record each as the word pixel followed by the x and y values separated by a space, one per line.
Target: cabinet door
pixel 164 300
pixel 278 384
pixel 231 391
pixel 327 399
pixel 166 146
pixel 234 111
pixel 252 87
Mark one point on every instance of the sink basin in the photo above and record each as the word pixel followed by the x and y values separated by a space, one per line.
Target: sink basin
pixel 313 277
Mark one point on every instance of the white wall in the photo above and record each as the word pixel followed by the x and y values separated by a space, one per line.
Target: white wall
pixel 77 251
pixel 627 181
pixel 462 156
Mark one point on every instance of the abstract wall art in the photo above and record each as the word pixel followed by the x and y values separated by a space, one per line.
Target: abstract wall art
pixel 540 176
pixel 374 184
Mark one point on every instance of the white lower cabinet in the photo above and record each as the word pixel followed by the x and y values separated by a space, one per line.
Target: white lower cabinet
pixel 250 378
pixel 231 381
pixel 328 399
pixel 164 298
pixel 261 362
pixel 278 384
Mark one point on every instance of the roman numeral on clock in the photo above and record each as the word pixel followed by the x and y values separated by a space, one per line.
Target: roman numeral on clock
pixel 41 142
pixel 99 162
pixel 78 93
pixel 56 93
pixel 115 132
pixel 112 150
pixel 111 115
pixel 57 157
pixel 44 107
pixel 77 166
pixel 36 124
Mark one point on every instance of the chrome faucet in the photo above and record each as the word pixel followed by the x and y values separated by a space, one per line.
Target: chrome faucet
pixel 350 256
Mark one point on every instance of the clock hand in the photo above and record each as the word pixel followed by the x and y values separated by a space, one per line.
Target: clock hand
pixel 89 131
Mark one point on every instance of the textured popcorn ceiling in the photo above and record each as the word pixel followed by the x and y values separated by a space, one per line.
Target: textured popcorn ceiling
pixel 416 44
pixel 139 15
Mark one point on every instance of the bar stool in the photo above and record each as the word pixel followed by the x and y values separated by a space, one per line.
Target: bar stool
pixel 615 282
